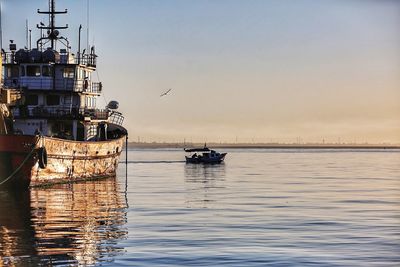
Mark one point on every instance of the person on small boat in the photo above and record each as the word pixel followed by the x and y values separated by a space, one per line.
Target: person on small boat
pixel 207 156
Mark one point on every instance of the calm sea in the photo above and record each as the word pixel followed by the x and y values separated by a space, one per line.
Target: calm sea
pixel 261 208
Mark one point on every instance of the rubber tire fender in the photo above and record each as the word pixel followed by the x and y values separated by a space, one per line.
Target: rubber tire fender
pixel 42 156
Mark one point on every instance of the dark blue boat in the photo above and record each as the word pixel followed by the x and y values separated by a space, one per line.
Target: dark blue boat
pixel 204 155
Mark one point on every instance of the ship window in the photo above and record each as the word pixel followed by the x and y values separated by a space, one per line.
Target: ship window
pixel 47 71
pixel 69 73
pixel 33 71
pixel 13 72
pixel 22 70
pixel 89 101
pixel 32 100
pixel 53 100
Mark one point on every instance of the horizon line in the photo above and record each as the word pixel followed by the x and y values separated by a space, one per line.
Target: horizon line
pixel 264 145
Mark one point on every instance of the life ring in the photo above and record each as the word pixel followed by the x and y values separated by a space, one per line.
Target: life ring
pixel 42 156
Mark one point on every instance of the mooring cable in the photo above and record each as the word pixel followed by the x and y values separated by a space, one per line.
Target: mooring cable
pixel 22 164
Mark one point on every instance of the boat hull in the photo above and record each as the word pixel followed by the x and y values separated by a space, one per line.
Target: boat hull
pixel 204 160
pixel 67 161
pixel 14 150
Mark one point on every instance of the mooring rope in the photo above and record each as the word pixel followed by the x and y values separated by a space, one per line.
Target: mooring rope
pixel 22 164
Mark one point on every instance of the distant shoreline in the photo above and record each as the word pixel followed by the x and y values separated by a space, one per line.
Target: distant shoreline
pixel 263 146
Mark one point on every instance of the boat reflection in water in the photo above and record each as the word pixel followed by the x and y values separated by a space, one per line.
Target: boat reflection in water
pixel 203 183
pixel 65 224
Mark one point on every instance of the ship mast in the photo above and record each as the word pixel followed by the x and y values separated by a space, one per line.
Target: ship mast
pixel 52 29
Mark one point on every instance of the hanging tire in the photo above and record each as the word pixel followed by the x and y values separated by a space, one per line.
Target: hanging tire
pixel 42 156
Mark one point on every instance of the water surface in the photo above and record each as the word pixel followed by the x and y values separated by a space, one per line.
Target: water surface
pixel 261 208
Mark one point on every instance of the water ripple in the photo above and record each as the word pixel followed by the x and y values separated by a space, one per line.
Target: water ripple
pixel 260 208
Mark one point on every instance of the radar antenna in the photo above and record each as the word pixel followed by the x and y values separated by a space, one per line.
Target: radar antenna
pixel 52 29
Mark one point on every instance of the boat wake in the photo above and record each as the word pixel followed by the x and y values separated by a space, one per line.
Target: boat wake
pixel 154 161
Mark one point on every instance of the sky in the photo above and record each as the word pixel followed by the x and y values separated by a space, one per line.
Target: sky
pixel 240 71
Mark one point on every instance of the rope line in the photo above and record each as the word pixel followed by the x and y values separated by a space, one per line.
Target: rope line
pixel 22 164
pixel 68 157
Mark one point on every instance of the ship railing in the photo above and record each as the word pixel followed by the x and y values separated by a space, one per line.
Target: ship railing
pixel 60 113
pixel 88 87
pixel 96 114
pixel 48 83
pixel 86 59
pixel 116 118
pixel 89 60
pixel 40 83
pixel 91 133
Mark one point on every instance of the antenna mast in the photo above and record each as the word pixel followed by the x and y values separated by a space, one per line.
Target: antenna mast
pixel 88 25
pixel 52 29
pixel 1 26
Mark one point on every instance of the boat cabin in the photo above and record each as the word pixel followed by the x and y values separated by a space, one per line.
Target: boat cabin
pixel 52 92
pixel 204 155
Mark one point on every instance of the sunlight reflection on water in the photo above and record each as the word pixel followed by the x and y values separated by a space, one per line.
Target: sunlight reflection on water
pixel 262 207
pixel 65 224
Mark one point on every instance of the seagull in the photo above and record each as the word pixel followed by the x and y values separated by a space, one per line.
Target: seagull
pixel 165 93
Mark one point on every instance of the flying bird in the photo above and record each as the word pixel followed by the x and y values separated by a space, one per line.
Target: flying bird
pixel 165 93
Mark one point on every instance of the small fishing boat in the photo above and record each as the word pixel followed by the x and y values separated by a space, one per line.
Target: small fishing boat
pixel 205 155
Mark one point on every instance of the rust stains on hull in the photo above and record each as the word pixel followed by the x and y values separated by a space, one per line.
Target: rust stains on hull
pixel 67 161
pixel 72 161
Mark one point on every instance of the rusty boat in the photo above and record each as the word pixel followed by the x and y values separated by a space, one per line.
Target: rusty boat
pixel 51 130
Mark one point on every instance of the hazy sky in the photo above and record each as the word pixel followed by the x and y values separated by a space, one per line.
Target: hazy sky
pixel 248 70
